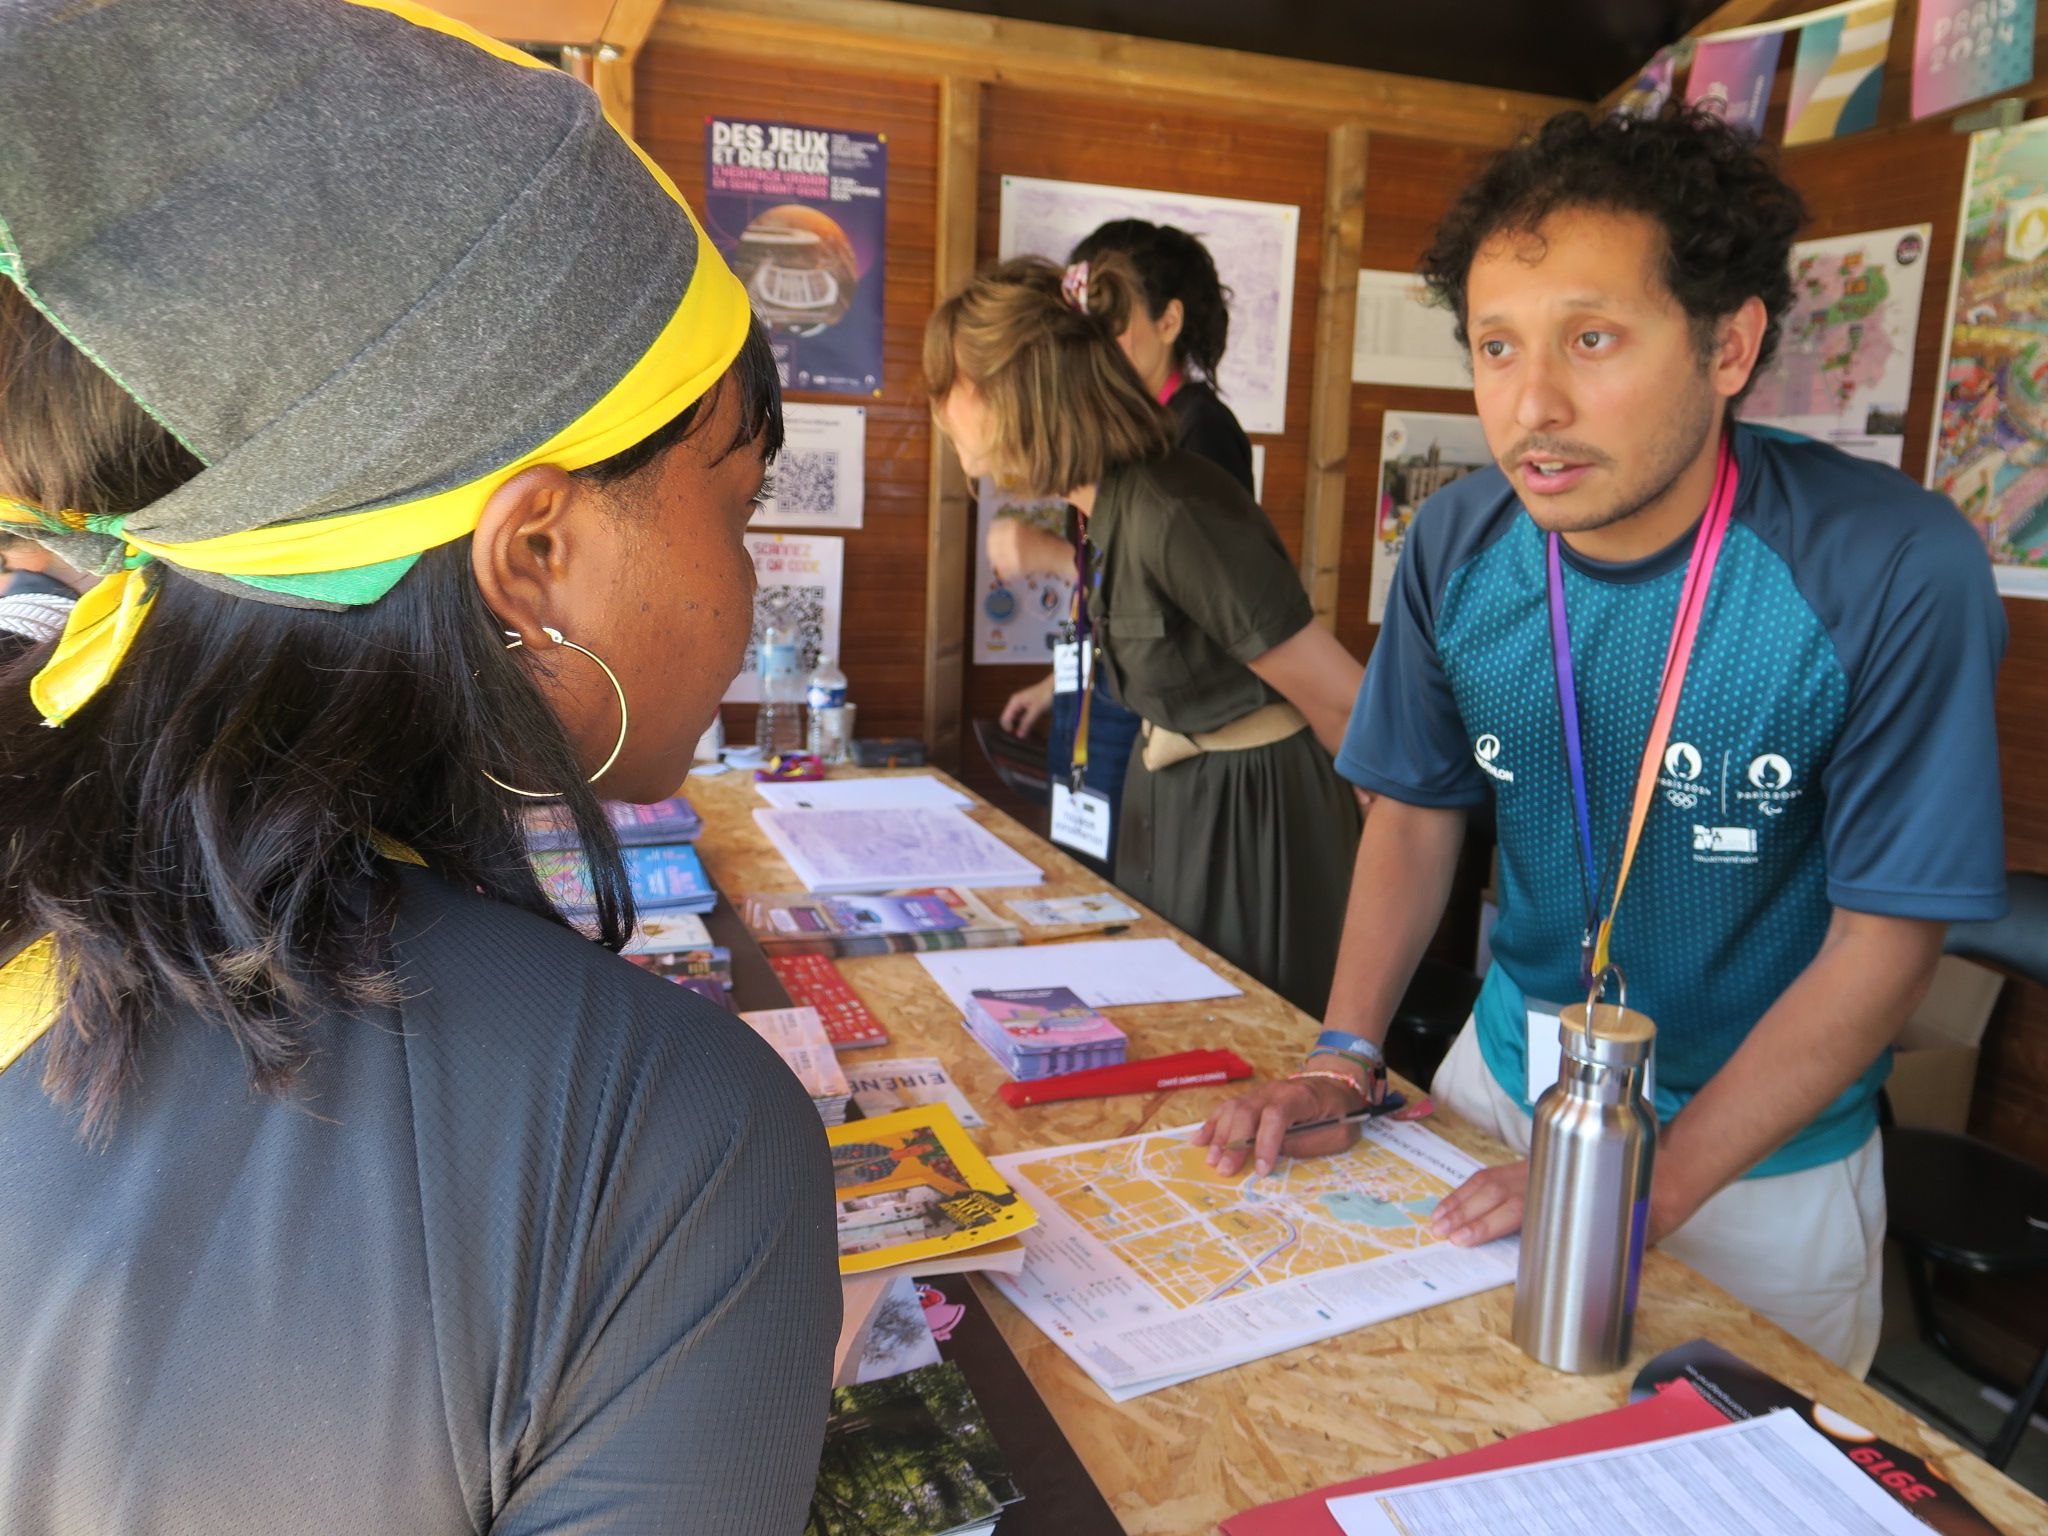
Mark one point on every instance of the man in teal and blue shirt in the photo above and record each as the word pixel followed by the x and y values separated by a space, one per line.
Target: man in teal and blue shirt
pixel 1826 801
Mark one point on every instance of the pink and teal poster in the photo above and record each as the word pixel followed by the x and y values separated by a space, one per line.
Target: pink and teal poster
pixel 1838 74
pixel 1732 76
pixel 1967 49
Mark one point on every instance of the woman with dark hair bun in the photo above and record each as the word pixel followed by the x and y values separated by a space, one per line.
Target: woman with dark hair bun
pixel 409 427
pixel 1175 339
pixel 1232 823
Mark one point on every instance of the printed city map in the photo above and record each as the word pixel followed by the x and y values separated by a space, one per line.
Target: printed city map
pixel 1148 1268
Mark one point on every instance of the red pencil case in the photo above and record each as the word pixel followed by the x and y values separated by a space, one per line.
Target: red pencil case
pixel 1149 1074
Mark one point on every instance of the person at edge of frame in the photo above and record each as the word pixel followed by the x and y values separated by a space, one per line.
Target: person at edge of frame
pixel 410 426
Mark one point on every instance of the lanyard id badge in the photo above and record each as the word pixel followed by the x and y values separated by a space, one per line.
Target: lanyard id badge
pixel 1080 817
pixel 1596 956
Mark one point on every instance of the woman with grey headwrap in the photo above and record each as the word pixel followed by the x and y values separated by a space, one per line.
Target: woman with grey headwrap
pixel 409 426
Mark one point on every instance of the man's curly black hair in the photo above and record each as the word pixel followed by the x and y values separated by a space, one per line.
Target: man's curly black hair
pixel 1728 217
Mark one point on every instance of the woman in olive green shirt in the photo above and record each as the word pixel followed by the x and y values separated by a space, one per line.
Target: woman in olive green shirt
pixel 1233 824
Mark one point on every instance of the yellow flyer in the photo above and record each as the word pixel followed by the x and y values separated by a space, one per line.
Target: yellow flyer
pixel 912 1186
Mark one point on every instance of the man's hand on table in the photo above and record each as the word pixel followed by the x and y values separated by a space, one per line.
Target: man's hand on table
pixel 1490 1205
pixel 1262 1115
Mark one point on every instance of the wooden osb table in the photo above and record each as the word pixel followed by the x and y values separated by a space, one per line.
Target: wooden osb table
pixel 1177 1461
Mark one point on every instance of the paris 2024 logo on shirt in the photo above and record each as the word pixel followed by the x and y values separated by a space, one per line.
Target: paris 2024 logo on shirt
pixel 1707 783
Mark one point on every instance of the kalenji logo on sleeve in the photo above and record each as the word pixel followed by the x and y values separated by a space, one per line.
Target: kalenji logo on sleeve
pixel 1484 751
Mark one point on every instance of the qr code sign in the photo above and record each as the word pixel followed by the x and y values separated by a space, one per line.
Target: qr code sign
pixel 803 607
pixel 806 483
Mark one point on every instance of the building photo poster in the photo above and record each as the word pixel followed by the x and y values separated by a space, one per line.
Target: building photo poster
pixel 799 214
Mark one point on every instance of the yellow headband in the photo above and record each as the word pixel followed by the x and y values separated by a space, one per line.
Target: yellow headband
pixel 689 355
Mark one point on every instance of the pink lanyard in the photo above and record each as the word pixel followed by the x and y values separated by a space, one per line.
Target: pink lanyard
pixel 1685 628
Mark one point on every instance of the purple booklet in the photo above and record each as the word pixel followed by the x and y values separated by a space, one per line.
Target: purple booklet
pixel 1043 1031
pixel 637 826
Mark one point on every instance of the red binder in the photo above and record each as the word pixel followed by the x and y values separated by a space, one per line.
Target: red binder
pixel 1675 1410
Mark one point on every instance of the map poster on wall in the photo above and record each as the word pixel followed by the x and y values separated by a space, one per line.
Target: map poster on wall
pixel 1845 352
pixel 1253 245
pixel 799 214
pixel 1421 452
pixel 801 582
pixel 1015 622
pixel 819 478
pixel 1990 449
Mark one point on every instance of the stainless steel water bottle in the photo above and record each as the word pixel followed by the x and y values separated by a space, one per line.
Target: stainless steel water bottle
pixel 1587 1208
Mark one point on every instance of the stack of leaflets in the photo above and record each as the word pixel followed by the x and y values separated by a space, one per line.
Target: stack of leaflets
pixel 893 922
pixel 915 1191
pixel 636 826
pixel 799 1039
pixel 815 981
pixel 707 971
pixel 910 1455
pixel 1038 1032
pixel 665 877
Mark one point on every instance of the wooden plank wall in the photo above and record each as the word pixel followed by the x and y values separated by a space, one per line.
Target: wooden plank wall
pixel 1073 138
pixel 1901 173
pixel 882 637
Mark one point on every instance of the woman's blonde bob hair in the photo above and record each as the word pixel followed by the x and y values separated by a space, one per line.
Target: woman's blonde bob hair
pixel 1066 403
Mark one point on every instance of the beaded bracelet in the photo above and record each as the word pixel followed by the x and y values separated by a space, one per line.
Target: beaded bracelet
pixel 1336 1077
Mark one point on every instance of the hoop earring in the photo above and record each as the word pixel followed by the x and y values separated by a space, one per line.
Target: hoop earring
pixel 611 677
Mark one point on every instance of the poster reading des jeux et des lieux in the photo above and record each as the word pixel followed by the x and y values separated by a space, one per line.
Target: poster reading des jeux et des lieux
pixel 799 213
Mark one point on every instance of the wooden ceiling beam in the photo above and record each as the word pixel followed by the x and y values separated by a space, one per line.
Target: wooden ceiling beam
pixel 890 38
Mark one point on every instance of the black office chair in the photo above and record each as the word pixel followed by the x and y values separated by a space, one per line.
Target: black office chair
pixel 1956 1201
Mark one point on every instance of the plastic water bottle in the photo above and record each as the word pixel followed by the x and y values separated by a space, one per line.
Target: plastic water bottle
pixel 779 727
pixel 826 700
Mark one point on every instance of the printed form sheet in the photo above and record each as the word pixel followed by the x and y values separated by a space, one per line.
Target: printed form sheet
pixel 1149 1269
pixel 1755 1478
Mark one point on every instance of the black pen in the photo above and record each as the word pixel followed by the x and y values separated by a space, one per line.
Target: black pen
pixel 1393 1100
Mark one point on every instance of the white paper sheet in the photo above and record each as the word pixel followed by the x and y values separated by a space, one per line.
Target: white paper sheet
pixel 1401 338
pixel 1253 245
pixel 909 793
pixel 820 478
pixel 891 850
pixel 1421 452
pixel 802 582
pixel 1105 973
pixel 1776 1473
pixel 1147 1268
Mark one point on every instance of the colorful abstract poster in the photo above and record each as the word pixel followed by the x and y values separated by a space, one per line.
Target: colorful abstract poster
pixel 1652 88
pixel 1967 49
pixel 799 213
pixel 1253 245
pixel 1990 450
pixel 1844 367
pixel 1731 77
pixel 1838 74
